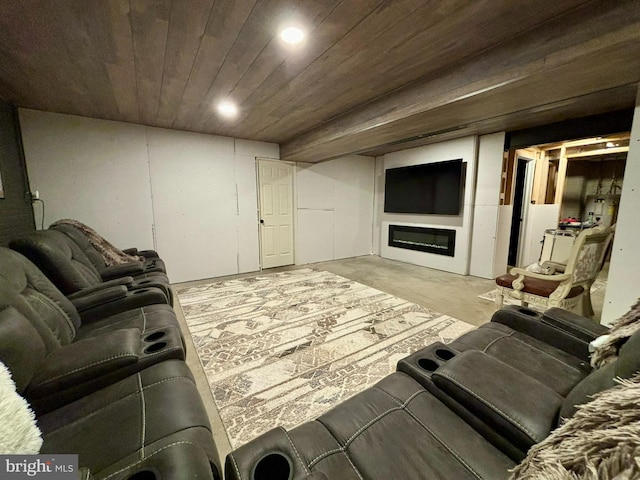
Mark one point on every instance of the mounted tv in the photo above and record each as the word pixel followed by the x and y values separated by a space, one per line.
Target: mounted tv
pixel 430 188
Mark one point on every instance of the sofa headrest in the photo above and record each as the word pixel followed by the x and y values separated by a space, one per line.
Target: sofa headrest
pixel 81 240
pixel 25 288
pixel 59 258
pixel 21 348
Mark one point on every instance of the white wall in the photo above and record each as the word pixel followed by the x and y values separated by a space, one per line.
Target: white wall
pixel 204 201
pixel 378 204
pixel 485 211
pixel 197 191
pixel 334 209
pixel 503 234
pixel 537 219
pixel 93 171
pixel 464 148
pixel 623 288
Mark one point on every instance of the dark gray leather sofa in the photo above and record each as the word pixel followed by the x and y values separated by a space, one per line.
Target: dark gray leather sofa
pixel 137 269
pixel 526 375
pixel 148 425
pixel 79 356
pixel 66 265
pixel 33 291
pixel 112 389
pixel 467 410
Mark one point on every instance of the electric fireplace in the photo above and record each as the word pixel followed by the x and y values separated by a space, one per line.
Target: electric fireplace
pixel 440 241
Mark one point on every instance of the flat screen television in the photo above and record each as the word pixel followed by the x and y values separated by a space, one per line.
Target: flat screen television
pixel 430 188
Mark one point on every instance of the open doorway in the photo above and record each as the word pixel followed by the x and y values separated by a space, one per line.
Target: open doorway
pixel 576 185
pixel 517 215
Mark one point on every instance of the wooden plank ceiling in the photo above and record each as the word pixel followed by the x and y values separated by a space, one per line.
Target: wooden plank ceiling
pixel 372 76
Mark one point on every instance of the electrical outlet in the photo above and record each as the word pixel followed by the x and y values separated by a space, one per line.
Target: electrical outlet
pixel 35 196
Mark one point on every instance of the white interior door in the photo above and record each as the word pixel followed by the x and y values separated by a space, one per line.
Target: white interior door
pixel 275 180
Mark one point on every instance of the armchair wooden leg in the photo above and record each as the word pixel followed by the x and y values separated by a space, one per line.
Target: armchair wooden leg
pixel 587 307
pixel 499 299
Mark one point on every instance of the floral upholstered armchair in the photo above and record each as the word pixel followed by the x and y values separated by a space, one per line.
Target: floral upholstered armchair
pixel 569 289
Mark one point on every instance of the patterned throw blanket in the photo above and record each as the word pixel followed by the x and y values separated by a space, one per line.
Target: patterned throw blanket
pixel 111 254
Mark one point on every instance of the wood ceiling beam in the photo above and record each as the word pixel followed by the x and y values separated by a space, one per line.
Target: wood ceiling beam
pixel 600 102
pixel 598 153
pixel 385 56
pixel 567 51
pixel 590 141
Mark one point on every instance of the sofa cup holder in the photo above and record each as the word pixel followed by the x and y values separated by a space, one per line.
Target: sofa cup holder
pixel 144 475
pixel 155 336
pixel 155 347
pixel 273 466
pixel 426 361
pixel 428 364
pixel 444 354
pixel 440 355
pixel 527 311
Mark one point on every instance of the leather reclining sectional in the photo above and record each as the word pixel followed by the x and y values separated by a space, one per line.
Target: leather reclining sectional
pixel 67 266
pixel 107 383
pixel 467 410
pixel 137 269
pixel 98 353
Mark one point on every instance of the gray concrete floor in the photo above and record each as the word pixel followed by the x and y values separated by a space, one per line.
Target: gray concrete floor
pixel 448 293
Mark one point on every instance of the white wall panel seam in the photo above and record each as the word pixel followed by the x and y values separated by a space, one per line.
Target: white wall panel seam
pixel 153 213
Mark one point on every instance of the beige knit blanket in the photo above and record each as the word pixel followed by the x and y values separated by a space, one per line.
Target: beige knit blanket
pixel 607 346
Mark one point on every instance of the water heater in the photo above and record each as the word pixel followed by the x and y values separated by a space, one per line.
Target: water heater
pixel 603 209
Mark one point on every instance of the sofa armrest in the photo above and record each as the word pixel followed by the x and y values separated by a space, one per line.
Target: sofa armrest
pixel 556 277
pixel 529 322
pixel 126 281
pixel 514 405
pixel 554 266
pixel 580 327
pixel 155 283
pixel 98 297
pixel 86 360
pixel 141 253
pixel 107 302
pixel 121 270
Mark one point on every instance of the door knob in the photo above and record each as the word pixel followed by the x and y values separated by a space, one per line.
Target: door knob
pixel 261 221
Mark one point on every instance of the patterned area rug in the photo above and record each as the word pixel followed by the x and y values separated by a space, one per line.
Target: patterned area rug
pixel 281 349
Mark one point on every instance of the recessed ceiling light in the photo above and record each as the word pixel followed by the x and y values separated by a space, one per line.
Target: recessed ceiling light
pixel 292 35
pixel 227 109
